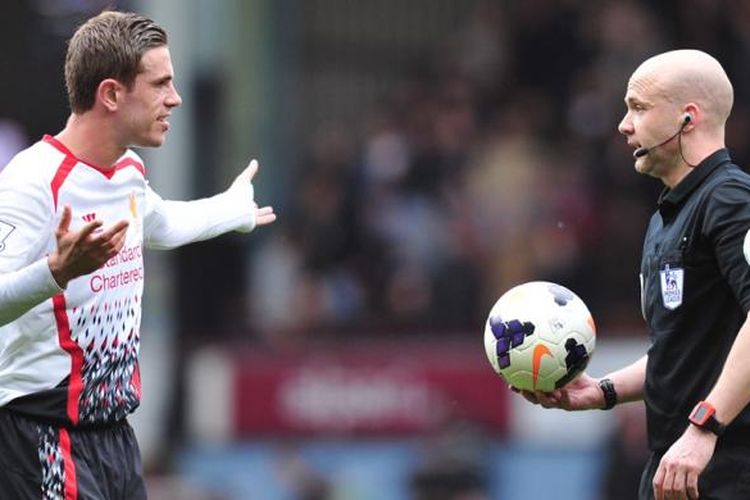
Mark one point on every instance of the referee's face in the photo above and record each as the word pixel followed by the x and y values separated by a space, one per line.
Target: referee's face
pixel 147 106
pixel 646 124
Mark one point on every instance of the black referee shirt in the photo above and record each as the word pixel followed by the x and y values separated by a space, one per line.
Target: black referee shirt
pixel 695 292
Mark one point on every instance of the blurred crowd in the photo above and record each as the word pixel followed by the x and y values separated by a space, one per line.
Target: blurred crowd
pixel 496 161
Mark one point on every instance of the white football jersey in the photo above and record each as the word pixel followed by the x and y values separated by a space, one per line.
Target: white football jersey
pixel 73 357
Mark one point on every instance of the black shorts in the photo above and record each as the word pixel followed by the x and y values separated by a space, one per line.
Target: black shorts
pixel 726 477
pixel 40 461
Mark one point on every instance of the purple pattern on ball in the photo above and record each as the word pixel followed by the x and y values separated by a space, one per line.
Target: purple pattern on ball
pixel 504 360
pixel 508 334
pixel 498 327
pixel 561 294
pixel 515 326
pixel 517 339
pixel 503 345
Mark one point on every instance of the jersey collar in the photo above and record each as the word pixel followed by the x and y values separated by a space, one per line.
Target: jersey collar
pixel 672 198
pixel 124 161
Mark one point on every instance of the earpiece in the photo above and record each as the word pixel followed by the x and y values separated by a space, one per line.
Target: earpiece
pixel 643 151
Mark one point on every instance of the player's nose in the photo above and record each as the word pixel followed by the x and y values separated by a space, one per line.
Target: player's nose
pixel 173 99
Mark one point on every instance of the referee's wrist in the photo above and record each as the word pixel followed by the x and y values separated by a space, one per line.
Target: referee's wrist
pixel 608 391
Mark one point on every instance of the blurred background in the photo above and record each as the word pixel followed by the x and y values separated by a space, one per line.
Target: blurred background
pixel 423 157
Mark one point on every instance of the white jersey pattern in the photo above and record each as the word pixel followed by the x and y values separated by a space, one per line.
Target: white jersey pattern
pixel 71 355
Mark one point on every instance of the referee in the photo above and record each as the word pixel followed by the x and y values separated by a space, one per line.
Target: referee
pixel 695 288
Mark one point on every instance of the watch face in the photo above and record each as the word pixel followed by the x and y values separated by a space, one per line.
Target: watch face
pixel 701 414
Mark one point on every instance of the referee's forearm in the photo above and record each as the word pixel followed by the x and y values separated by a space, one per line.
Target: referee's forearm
pixel 629 381
pixel 731 394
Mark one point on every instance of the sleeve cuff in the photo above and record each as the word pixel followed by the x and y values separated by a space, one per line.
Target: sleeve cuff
pixel 40 271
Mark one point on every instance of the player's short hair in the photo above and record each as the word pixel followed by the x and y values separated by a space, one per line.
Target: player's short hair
pixel 109 45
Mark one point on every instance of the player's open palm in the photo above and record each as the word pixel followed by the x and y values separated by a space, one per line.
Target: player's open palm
pixel 82 252
pixel 582 393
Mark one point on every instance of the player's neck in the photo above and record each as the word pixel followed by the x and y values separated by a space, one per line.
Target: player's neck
pixel 91 141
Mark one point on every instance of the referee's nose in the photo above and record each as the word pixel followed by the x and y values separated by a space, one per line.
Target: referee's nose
pixel 625 127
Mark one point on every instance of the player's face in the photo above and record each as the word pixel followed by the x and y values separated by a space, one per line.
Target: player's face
pixel 648 121
pixel 148 104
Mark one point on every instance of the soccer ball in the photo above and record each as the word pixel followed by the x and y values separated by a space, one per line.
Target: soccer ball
pixel 539 336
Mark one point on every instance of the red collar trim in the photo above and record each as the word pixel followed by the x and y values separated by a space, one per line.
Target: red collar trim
pixel 106 172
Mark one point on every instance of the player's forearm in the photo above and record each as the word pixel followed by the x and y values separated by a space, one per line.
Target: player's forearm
pixel 23 289
pixel 731 394
pixel 182 222
pixel 629 381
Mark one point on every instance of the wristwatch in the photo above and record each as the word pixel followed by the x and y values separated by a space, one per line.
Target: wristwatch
pixel 610 395
pixel 703 416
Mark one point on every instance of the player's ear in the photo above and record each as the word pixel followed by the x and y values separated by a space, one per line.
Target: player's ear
pixel 109 92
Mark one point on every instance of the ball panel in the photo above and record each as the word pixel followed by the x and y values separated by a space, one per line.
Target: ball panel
pixel 539 336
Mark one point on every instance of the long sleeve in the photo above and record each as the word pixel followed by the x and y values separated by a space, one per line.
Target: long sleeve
pixel 26 228
pixel 170 224
pixel 23 289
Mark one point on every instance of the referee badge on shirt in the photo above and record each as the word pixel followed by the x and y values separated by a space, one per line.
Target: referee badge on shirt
pixel 671 286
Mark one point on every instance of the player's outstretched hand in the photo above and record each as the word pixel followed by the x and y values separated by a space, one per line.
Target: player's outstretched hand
pixel 264 215
pixel 582 393
pixel 246 176
pixel 244 181
pixel 82 252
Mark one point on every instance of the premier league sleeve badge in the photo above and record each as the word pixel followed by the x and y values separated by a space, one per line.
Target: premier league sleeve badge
pixel 5 230
pixel 671 286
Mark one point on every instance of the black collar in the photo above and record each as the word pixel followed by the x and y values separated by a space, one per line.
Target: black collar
pixel 669 199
